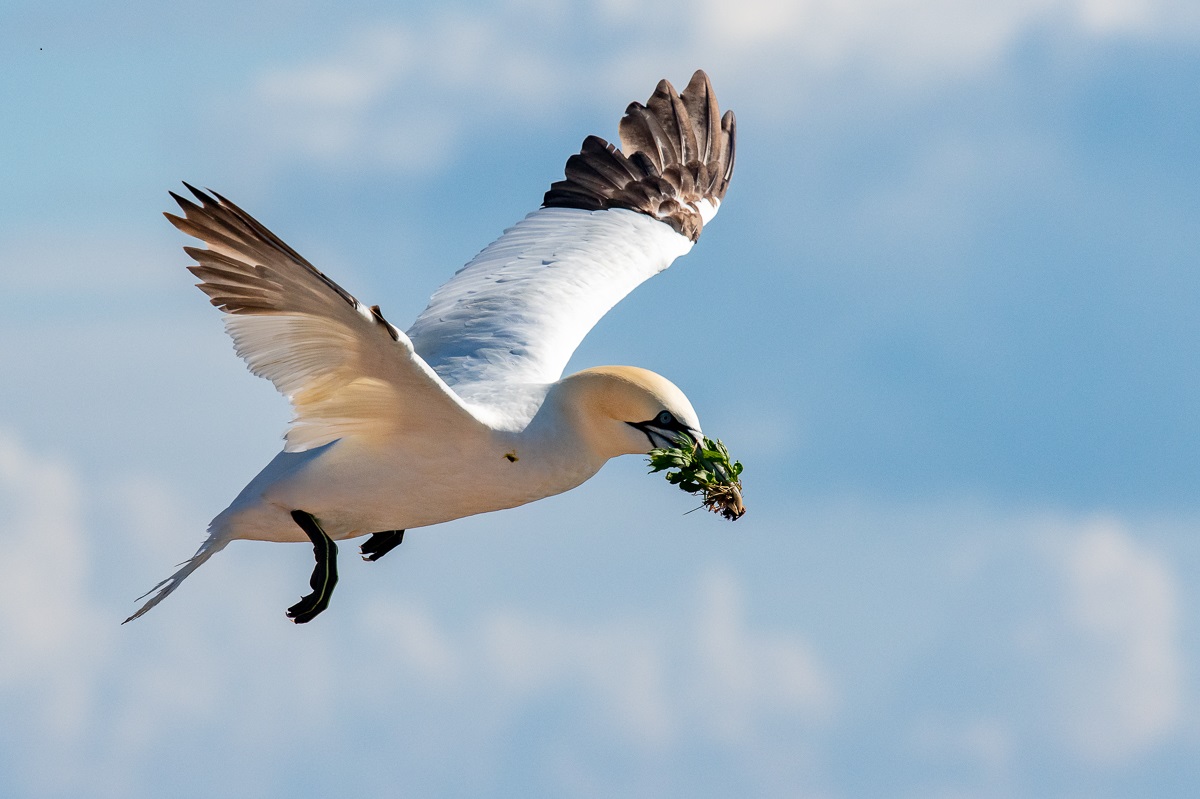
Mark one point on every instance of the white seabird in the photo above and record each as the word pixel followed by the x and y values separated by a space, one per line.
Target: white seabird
pixel 468 411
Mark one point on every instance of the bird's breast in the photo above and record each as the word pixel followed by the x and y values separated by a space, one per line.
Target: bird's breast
pixel 357 487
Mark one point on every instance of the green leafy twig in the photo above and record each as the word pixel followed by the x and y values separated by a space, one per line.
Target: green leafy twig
pixel 704 469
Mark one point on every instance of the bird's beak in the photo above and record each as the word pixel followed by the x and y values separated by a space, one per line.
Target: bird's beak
pixel 667 436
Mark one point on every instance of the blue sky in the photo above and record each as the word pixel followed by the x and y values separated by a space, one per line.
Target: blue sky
pixel 945 318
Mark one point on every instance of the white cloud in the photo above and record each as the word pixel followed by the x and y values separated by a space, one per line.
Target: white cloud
pixel 1165 18
pixel 621 667
pixel 85 702
pixel 913 35
pixel 376 100
pixel 986 744
pixel 643 682
pixel 413 641
pixel 400 95
pixel 111 702
pixel 1118 644
pixel 742 675
pixel 1029 631
pixel 723 679
pixel 48 626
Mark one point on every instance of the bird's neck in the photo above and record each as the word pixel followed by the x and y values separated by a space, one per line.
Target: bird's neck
pixel 575 417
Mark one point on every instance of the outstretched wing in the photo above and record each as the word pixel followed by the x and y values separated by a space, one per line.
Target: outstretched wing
pixel 517 311
pixel 345 369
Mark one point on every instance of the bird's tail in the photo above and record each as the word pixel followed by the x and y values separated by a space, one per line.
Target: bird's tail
pixel 212 545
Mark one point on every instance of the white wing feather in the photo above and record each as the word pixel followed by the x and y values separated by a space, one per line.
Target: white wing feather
pixel 517 311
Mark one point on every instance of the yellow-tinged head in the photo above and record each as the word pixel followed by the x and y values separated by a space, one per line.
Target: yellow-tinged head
pixel 626 410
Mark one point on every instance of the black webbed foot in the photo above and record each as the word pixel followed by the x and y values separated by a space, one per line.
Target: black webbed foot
pixel 324 576
pixel 379 544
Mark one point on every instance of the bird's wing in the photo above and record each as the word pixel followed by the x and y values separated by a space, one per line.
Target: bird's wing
pixel 517 311
pixel 345 369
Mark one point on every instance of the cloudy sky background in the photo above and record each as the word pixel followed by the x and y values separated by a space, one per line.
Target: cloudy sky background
pixel 945 318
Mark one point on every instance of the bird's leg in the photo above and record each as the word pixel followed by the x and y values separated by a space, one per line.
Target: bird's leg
pixel 324 576
pixel 379 544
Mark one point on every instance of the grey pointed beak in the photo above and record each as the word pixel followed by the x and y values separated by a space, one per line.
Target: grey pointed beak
pixel 665 437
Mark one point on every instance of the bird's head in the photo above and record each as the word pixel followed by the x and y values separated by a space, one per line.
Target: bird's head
pixel 628 411
pixel 624 410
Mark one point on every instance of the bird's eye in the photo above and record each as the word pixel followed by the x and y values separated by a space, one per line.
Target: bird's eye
pixel 665 418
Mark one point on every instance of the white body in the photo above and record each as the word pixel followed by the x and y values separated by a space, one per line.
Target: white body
pixel 359 485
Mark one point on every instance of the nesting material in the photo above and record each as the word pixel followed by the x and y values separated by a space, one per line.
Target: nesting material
pixel 704 470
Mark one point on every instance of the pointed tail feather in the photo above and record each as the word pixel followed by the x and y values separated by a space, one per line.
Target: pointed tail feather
pixel 212 545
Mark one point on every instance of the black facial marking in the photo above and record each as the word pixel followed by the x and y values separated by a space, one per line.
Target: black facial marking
pixel 659 430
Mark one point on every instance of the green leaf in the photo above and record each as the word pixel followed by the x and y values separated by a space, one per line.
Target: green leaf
pixel 705 469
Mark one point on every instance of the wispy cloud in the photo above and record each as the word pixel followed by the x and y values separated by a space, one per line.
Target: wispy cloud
pixel 70 671
pixel 49 626
pixel 743 675
pixel 1116 644
pixel 645 682
pixel 1099 662
pixel 381 97
pixel 1081 654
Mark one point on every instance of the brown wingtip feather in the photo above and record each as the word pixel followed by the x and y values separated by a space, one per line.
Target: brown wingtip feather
pixel 676 151
pixel 242 250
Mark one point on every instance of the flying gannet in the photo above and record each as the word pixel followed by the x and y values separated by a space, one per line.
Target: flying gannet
pixel 467 412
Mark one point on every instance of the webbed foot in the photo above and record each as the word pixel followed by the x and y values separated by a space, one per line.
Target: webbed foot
pixel 379 544
pixel 324 576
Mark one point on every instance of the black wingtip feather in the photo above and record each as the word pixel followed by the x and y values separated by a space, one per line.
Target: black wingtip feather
pixel 242 245
pixel 184 203
pixel 206 200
